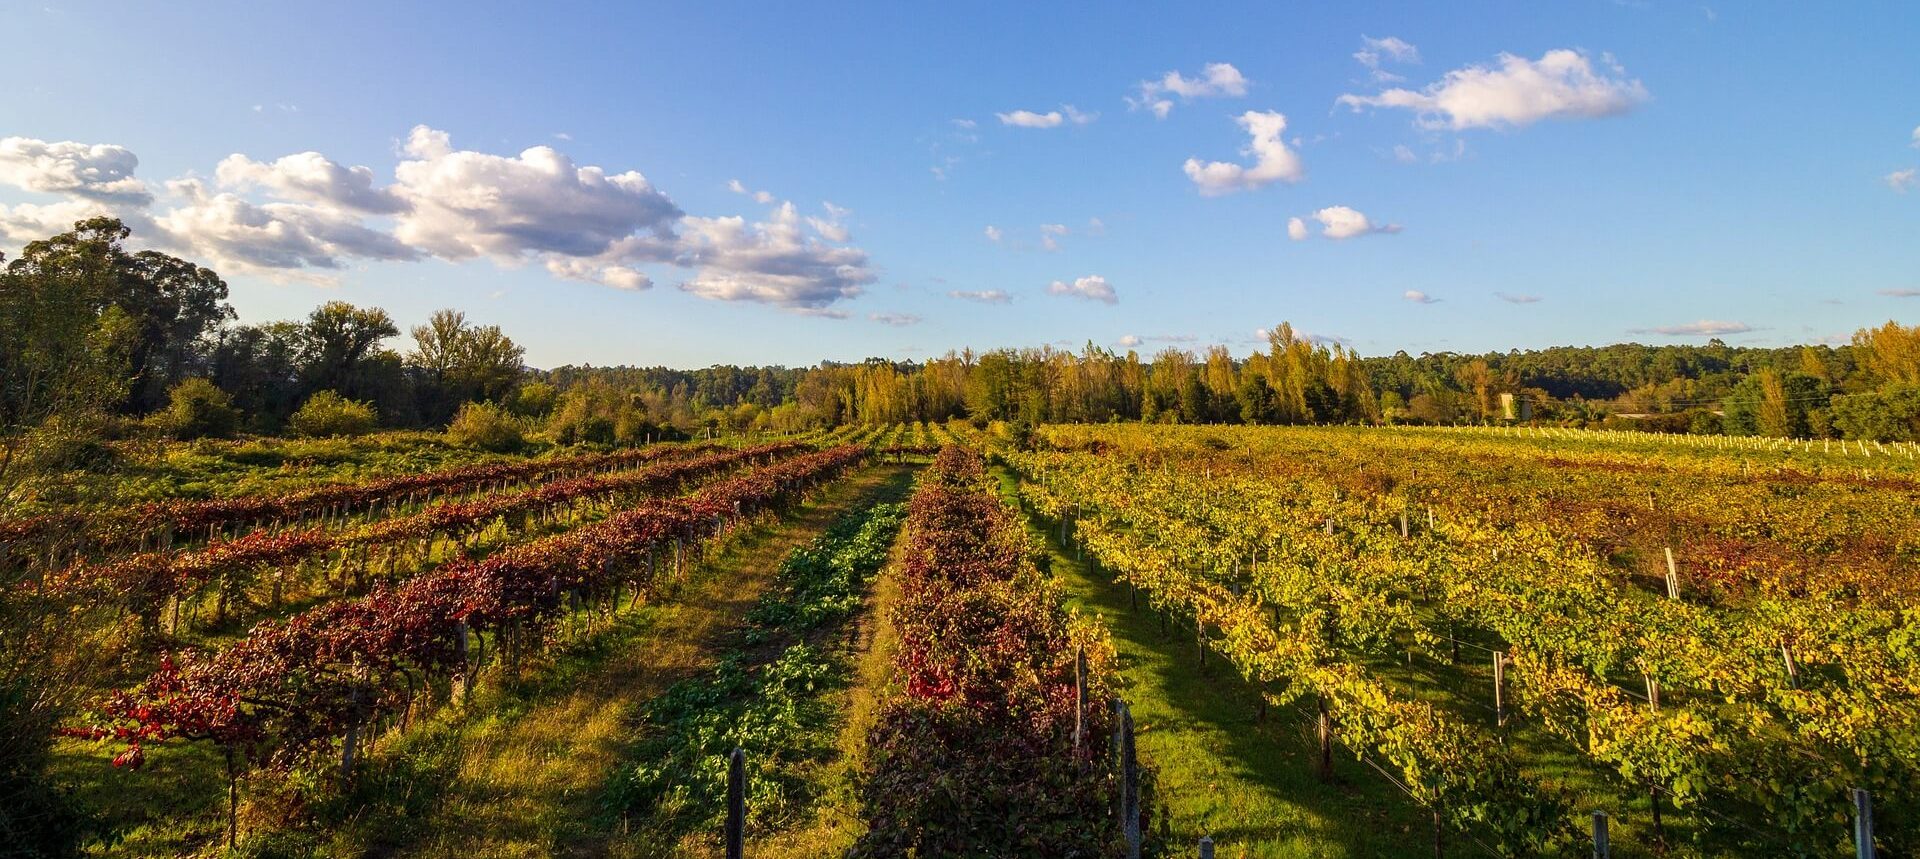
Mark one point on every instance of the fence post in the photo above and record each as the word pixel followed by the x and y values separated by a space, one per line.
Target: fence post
pixel 1127 767
pixel 736 803
pixel 1079 700
pixel 1862 824
pixel 1600 848
pixel 1499 689
pixel 1325 769
pixel 1206 847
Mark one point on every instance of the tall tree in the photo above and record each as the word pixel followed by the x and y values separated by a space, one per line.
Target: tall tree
pixel 339 341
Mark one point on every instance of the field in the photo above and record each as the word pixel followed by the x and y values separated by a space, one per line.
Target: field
pixel 1328 642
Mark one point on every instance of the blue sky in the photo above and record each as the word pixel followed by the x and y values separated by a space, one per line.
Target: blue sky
pixel 1645 171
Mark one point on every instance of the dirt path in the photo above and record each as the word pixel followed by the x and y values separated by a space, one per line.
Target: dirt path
pixel 523 779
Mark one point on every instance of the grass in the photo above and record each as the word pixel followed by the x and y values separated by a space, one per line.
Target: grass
pixel 1219 769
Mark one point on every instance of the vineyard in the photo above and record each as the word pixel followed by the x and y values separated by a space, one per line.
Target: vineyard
pixel 927 639
pixel 1714 645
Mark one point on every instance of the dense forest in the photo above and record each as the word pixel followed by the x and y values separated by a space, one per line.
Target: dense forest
pixel 98 342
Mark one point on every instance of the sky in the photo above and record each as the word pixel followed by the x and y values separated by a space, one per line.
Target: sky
pixel 780 183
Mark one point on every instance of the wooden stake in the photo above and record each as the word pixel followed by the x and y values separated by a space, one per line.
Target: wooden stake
pixel 1499 688
pixel 1673 576
pixel 736 804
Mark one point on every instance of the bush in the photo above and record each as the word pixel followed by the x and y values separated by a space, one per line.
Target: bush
pixel 198 409
pixel 329 414
pixel 487 427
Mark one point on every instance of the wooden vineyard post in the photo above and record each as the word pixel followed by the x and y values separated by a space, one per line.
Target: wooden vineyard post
pixel 1862 824
pixel 1324 767
pixel 1403 522
pixel 1793 671
pixel 1206 847
pixel 1673 576
pixel 736 804
pixel 1600 848
pixel 1439 836
pixel 1079 700
pixel 1126 768
pixel 1499 689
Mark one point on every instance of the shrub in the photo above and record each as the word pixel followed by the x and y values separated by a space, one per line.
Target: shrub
pixel 329 414
pixel 198 409
pixel 487 427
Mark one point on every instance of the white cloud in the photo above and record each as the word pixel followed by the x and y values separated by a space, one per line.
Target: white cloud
pixel 1519 92
pixel 311 177
pixel 1901 293
pixel 1342 222
pixel 1373 51
pixel 1296 229
pixel 1093 287
pixel 1272 160
pixel 1916 137
pixel 1902 181
pixel 1029 119
pixel 31 222
pixel 1217 80
pixel 466 203
pixel 1051 119
pixel 1128 341
pixel 1096 227
pixel 1512 298
pixel 831 227
pixel 235 233
pixel 901 319
pixel 1703 328
pixel 964 123
pixel 762 197
pixel 1050 235
pixel 578 222
pixel 985 296
pixel 772 262
pixel 616 276
pixel 1418 297
pixel 993 233
pixel 101 172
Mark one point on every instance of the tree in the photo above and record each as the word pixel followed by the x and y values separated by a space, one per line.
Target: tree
pixel 339 338
pixel 198 409
pixel 329 414
pixel 464 362
pixel 260 367
pixel 1892 352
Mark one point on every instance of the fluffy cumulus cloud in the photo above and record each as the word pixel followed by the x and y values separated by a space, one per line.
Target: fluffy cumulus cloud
pixel 1418 297
pixel 1093 287
pixel 1703 328
pixel 1129 341
pixel 99 172
pixel 982 296
pixel 1051 234
pixel 465 204
pixel 1272 160
pixel 1342 222
pixel 1515 92
pixel 1217 80
pixel 579 222
pixel 1902 181
pixel 1297 229
pixel 1051 119
pixel 773 262
pixel 314 178
pixel 237 233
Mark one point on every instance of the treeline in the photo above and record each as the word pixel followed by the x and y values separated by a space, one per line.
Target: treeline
pixel 98 342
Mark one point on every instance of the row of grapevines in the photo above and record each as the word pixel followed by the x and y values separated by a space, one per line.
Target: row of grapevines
pixel 294 689
pixel 974 750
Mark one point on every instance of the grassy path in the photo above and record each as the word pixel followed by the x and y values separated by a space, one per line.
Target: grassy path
pixel 522 776
pixel 1218 769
